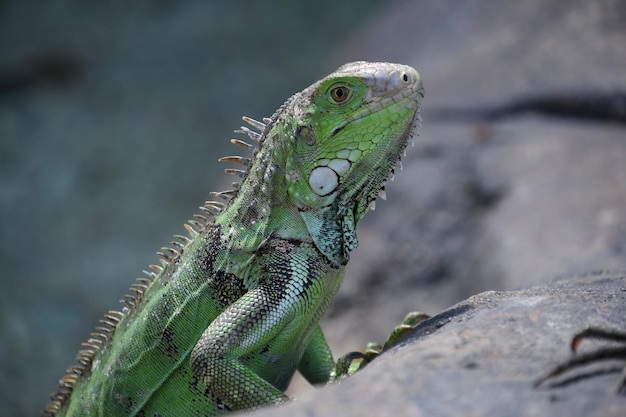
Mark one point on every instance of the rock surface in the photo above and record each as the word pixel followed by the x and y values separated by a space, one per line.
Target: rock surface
pixel 482 356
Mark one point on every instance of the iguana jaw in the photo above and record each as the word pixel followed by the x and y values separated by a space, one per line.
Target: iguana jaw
pixel 370 196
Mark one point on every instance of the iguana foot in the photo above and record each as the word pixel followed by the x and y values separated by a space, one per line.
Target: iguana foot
pixel 352 362
pixel 605 353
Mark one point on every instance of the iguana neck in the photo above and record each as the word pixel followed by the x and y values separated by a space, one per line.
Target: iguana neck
pixel 263 208
pixel 259 209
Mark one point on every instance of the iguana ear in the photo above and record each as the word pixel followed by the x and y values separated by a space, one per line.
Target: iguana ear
pixel 334 236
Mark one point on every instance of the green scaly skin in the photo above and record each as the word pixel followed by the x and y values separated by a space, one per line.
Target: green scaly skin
pixel 234 310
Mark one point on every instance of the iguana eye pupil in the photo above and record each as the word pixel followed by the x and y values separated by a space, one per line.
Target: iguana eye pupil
pixel 339 94
pixel 405 78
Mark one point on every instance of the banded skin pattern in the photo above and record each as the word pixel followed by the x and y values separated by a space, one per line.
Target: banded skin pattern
pixel 233 310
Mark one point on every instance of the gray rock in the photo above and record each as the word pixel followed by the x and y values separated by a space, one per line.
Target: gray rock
pixel 482 356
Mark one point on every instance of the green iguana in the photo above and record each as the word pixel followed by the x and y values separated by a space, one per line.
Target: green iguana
pixel 233 311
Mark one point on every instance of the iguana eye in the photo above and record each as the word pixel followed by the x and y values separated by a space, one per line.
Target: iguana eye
pixel 339 94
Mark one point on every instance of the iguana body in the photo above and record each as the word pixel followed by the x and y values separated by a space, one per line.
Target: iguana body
pixel 233 311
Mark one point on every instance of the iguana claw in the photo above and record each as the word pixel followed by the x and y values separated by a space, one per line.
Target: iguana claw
pixel 352 362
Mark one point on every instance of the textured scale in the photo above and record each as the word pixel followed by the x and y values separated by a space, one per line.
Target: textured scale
pixel 231 312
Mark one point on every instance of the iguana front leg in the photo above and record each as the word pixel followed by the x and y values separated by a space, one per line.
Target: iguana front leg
pixel 243 329
pixel 317 364
pixel 248 354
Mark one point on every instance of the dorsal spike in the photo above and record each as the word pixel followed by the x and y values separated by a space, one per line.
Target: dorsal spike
pixel 196 225
pixel 130 297
pixel 260 126
pixel 255 136
pixel 209 210
pixel 242 144
pixel 382 194
pixel 236 159
pixel 164 256
pixel 133 299
pixel 148 273
pixel 143 281
pixel 200 220
pixel 226 195
pixel 77 370
pixel 193 233
pixel 129 301
pixel 115 313
pixel 171 252
pixel 183 239
pixel 97 338
pixel 91 343
pixel 267 120
pixel 68 381
pixel 238 172
pixel 104 330
pixel 85 356
pixel 108 323
pixel 138 288
pixel 179 245
pixel 100 336
pixel 212 203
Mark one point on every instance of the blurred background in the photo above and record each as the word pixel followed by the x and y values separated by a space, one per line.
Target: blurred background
pixel 113 116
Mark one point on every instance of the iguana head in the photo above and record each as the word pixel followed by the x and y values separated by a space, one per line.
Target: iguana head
pixel 327 153
pixel 349 132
